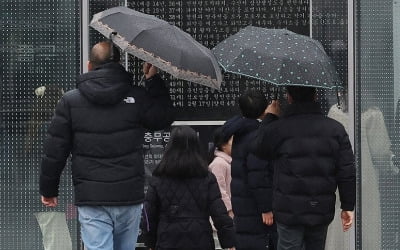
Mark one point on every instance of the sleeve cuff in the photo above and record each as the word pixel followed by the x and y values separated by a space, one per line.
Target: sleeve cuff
pixel 347 207
pixel 269 118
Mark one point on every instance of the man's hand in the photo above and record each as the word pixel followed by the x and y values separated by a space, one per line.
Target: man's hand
pixel 149 70
pixel 347 219
pixel 273 108
pixel 50 201
pixel 268 218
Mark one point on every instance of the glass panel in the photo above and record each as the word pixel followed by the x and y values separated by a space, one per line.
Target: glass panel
pixel 377 133
pixel 39 60
pixel 329 26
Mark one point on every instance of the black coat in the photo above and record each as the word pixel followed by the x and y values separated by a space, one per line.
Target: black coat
pixel 251 189
pixel 178 214
pixel 102 124
pixel 312 156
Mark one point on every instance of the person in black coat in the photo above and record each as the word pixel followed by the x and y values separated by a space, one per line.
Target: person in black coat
pixel 251 184
pixel 181 196
pixel 102 125
pixel 312 157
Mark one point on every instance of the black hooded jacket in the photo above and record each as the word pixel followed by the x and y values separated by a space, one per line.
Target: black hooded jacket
pixel 102 124
pixel 312 157
pixel 251 188
pixel 178 213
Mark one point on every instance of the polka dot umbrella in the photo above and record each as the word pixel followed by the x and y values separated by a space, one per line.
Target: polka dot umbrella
pixel 277 56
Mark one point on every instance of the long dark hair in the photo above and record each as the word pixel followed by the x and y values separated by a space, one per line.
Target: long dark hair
pixel 183 157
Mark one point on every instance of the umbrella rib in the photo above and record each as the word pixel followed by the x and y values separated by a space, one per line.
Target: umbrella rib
pixel 201 47
pixel 255 77
pixel 180 69
pixel 204 51
pixel 280 84
pixel 175 71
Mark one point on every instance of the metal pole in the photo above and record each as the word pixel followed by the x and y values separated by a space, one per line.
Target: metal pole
pixel 84 11
pixel 126 54
pixel 351 71
pixel 351 94
pixel 84 35
pixel 311 22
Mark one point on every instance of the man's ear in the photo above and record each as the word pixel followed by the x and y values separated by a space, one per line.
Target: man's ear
pixel 89 66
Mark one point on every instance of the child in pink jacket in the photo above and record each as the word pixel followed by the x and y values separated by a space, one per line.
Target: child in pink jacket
pixel 221 166
pixel 221 159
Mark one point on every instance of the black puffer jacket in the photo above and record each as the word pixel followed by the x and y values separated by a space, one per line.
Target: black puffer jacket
pixel 102 123
pixel 312 157
pixel 178 214
pixel 251 188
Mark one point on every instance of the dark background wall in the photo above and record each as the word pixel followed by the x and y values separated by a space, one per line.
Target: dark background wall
pixel 40 46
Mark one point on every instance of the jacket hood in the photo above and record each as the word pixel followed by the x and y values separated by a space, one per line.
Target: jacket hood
pixel 106 84
pixel 302 108
pixel 244 125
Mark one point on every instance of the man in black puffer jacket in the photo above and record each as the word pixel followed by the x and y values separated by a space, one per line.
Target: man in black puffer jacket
pixel 102 125
pixel 312 157
pixel 251 184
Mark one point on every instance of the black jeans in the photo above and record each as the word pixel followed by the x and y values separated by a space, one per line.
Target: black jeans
pixel 301 237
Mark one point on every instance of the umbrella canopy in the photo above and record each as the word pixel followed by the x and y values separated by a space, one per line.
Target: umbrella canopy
pixel 159 43
pixel 278 56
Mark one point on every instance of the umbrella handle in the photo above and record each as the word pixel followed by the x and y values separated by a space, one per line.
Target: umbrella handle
pixel 112 45
pixel 338 98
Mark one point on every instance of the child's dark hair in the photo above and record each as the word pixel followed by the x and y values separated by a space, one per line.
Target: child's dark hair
pixel 252 104
pixel 184 156
pixel 220 138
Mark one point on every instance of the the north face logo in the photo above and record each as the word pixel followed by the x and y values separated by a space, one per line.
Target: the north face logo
pixel 129 99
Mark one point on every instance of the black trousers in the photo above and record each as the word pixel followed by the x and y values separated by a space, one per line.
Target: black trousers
pixel 301 237
pixel 257 242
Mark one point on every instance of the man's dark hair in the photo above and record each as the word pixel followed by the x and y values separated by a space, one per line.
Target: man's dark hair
pixel 183 157
pixel 252 104
pixel 301 94
pixel 101 53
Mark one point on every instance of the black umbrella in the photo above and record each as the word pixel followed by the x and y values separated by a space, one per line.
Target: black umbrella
pixel 159 43
pixel 277 56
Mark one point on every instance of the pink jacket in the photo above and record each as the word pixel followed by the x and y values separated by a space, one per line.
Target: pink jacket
pixel 221 168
